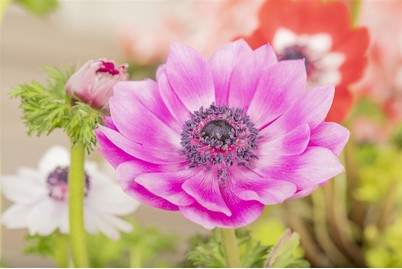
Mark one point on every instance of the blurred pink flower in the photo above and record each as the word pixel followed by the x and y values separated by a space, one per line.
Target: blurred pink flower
pixel 218 139
pixel 203 25
pixel 382 81
pixel 93 82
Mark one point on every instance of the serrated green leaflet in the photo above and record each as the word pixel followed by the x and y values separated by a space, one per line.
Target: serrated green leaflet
pixel 46 108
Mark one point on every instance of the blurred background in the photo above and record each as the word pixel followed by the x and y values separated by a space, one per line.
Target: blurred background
pixel 361 224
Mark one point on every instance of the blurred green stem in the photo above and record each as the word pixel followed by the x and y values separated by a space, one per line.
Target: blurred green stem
pixel 358 209
pixel 135 256
pixel 230 248
pixel 61 251
pixel 313 252
pixel 355 10
pixel 386 207
pixel 76 185
pixel 322 232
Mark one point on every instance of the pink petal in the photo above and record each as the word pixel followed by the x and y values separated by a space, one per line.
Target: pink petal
pixel 330 135
pixel 169 97
pixel 243 213
pixel 204 188
pixel 304 193
pixel 141 151
pixel 251 186
pixel 247 74
pixel 113 154
pixel 311 108
pixel 147 93
pixel 315 166
pixel 190 77
pixel 168 185
pixel 293 143
pixel 137 124
pixel 278 88
pixel 222 64
pixel 126 174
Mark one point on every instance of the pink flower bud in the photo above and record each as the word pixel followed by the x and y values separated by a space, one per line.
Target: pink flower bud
pixel 93 83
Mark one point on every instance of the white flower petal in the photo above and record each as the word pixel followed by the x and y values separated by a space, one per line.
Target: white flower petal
pixel 55 156
pixel 63 221
pixel 329 77
pixel 319 43
pixel 283 38
pixel 118 223
pixel 93 219
pixel 15 217
pixel 25 189
pixel 331 61
pixel 120 204
pixel 43 219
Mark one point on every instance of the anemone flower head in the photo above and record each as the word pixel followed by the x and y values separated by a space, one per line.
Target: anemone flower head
pixel 218 139
pixel 322 34
pixel 93 82
pixel 40 198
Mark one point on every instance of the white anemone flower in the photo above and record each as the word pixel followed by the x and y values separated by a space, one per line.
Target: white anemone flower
pixel 322 64
pixel 40 198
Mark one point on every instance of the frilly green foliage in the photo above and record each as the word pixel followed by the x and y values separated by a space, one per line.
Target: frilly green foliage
pixel 41 245
pixel 386 247
pixel 206 252
pixel 39 7
pixel 46 108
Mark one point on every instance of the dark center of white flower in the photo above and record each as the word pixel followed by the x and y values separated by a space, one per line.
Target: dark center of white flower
pixel 219 137
pixel 57 183
pixel 296 52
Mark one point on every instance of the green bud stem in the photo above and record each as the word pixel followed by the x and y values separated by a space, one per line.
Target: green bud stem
pixel 230 248
pixel 76 187
pixel 61 251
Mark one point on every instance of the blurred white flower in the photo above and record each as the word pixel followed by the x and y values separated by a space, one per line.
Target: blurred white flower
pixel 40 198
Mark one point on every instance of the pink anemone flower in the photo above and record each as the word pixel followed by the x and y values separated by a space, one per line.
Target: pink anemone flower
pixel 218 139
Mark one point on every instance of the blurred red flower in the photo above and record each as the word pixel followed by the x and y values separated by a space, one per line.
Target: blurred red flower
pixel 382 81
pixel 322 34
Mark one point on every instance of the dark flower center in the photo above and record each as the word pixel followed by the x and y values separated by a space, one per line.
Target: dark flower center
pixel 57 183
pixel 108 67
pixel 217 129
pixel 295 53
pixel 219 136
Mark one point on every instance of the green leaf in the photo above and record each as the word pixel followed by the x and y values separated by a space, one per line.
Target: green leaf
pixel 282 256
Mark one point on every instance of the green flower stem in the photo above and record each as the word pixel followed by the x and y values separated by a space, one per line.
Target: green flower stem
pixel 76 187
pixel 230 248
pixel 61 251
